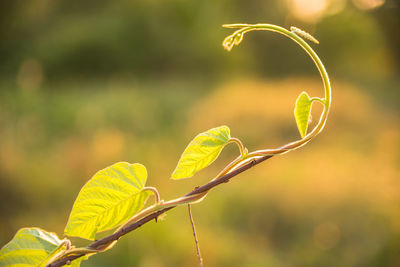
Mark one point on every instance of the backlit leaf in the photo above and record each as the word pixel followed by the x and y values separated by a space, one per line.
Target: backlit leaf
pixel 302 112
pixel 31 247
pixel 108 199
pixel 201 152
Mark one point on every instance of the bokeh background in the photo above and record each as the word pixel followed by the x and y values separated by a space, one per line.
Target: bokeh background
pixel 84 84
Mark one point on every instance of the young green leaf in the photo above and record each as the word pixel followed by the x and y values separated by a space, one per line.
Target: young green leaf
pixel 31 247
pixel 108 199
pixel 302 112
pixel 201 152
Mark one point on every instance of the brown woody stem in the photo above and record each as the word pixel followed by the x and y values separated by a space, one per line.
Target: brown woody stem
pixel 129 228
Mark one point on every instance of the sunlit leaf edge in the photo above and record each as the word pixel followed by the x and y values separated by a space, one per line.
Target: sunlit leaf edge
pixel 41 238
pixel 83 229
pixel 185 161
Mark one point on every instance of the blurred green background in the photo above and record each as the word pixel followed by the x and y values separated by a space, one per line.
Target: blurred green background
pixel 84 84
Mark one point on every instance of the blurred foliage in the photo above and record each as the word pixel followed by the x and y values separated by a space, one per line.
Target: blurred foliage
pixel 160 38
pixel 144 77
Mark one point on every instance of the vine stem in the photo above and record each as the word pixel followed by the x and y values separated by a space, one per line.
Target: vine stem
pixel 104 242
pixel 195 236
pixel 232 40
pixel 243 150
pixel 154 191
pixel 239 165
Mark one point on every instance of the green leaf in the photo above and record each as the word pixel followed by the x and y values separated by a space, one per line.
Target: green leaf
pixel 201 152
pixel 108 199
pixel 302 112
pixel 30 247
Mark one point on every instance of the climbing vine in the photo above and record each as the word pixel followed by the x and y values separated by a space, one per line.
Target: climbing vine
pixel 116 197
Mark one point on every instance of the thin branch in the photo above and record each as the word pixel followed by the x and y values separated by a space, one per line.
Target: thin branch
pixel 104 242
pixel 195 236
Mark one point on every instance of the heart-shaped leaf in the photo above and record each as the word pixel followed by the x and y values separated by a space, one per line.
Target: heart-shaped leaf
pixel 108 199
pixel 201 152
pixel 302 112
pixel 31 247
